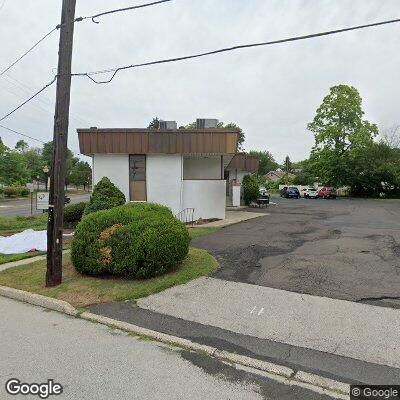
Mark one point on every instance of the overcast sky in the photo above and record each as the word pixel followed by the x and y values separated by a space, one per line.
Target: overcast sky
pixel 271 92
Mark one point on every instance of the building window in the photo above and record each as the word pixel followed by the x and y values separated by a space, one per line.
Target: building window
pixel 137 177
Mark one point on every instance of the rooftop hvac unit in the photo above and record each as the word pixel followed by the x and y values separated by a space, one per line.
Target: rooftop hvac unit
pixel 202 123
pixel 168 125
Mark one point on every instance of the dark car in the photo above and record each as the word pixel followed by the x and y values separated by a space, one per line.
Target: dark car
pixel 290 191
pixel 327 193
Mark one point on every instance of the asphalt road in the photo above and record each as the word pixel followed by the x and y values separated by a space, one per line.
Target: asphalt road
pixel 13 207
pixel 346 249
pixel 92 361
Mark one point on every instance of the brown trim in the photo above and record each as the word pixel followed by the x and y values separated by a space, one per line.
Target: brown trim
pixel 244 162
pixel 148 141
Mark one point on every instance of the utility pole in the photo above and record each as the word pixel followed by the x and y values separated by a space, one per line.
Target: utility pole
pixel 60 138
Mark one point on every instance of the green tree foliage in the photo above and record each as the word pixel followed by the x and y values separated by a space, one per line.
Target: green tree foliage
pixel 154 124
pixel 81 174
pixel 287 165
pixel 251 189
pixel 341 135
pixel 105 195
pixel 21 146
pixel 24 164
pixel 267 161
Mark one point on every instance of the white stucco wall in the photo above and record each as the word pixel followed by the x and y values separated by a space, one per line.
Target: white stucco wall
pixel 202 168
pixel 164 180
pixel 115 167
pixel 239 175
pixel 206 197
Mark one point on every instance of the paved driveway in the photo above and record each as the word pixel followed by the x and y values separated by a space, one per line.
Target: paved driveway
pixel 13 207
pixel 346 248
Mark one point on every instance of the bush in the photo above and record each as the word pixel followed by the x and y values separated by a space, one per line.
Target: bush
pixel 10 191
pixel 73 213
pixel 134 240
pixel 105 195
pixel 251 189
pixel 15 191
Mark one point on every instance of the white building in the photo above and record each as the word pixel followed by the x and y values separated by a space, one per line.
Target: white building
pixel 179 168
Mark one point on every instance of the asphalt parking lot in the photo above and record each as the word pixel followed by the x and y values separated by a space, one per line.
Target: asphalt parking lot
pixel 345 248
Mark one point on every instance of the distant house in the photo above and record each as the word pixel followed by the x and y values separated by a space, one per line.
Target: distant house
pixel 274 176
pixel 180 168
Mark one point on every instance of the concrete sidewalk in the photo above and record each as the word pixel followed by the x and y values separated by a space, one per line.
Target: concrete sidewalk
pixel 359 331
pixel 232 217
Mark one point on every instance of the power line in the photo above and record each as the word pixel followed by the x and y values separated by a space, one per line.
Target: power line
pixel 227 49
pixel 78 19
pixel 21 134
pixel 29 99
pixel 93 17
pixel 28 51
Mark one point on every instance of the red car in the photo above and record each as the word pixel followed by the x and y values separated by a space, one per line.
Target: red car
pixel 327 193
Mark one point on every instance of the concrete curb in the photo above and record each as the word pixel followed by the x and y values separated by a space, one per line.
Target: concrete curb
pixel 284 372
pixel 38 300
pixel 222 355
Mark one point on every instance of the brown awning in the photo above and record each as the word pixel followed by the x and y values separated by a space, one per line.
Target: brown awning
pixel 147 141
pixel 244 162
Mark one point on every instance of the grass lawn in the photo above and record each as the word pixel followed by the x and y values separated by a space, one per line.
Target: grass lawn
pixel 196 232
pixel 81 291
pixel 10 225
pixel 6 258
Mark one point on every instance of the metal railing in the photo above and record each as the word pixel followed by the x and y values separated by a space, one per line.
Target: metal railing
pixel 186 216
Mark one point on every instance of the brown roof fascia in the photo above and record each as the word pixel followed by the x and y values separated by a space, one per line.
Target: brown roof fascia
pixel 157 141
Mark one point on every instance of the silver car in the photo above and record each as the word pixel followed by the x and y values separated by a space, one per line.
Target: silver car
pixel 310 193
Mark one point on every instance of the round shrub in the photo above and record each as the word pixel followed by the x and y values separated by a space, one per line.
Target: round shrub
pixel 134 240
pixel 73 213
pixel 105 195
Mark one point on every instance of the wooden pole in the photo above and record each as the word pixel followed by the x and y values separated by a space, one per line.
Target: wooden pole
pixel 60 138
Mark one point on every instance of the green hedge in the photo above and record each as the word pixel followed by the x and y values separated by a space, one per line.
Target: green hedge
pixel 133 240
pixel 73 213
pixel 105 195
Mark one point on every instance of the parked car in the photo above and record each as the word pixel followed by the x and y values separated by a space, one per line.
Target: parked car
pixel 327 193
pixel 290 191
pixel 263 198
pixel 310 193
pixel 67 199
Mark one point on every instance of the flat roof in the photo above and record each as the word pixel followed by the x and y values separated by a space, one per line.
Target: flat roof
pixel 157 141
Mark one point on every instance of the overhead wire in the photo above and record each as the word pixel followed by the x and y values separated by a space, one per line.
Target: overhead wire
pixel 226 49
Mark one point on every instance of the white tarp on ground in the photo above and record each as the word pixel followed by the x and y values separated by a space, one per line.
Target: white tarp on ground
pixel 23 242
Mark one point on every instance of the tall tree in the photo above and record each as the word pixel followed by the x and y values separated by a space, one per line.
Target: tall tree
pixel 267 161
pixel 21 146
pixel 81 174
pixel 341 134
pixel 13 169
pixel 287 165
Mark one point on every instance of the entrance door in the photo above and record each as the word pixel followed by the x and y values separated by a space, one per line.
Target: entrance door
pixel 226 177
pixel 137 177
